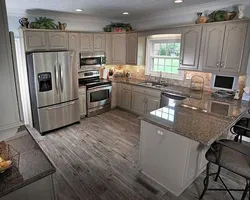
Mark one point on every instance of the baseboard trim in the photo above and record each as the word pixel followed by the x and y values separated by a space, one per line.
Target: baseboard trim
pixel 10 126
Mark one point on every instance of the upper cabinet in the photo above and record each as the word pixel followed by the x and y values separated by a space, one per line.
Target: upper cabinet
pixel 58 40
pixel 213 36
pixel 224 48
pixel 234 42
pixel 190 47
pixel 74 45
pixel 131 48
pixel 108 49
pixel 35 40
pixel 87 42
pixel 99 42
pixel 119 48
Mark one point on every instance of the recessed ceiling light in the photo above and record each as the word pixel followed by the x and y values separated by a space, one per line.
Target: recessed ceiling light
pixel 178 1
pixel 125 13
pixel 79 10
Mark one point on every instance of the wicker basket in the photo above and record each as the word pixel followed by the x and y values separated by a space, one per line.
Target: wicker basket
pixel 7 152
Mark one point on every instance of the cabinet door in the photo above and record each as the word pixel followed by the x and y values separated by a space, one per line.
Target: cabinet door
pixel 99 42
pixel 82 104
pixel 131 48
pixel 214 37
pixel 126 99
pixel 58 40
pixel 138 103
pixel 74 45
pixel 234 42
pixel 152 103
pixel 86 42
pixel 108 48
pixel 35 40
pixel 190 47
pixel 119 48
pixel 114 95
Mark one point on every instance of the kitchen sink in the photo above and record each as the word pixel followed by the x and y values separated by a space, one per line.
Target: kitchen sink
pixel 153 84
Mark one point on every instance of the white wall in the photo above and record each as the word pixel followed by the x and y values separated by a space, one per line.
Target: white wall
pixel 186 15
pixel 74 21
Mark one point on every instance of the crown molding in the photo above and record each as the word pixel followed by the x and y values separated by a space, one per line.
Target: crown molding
pixel 193 9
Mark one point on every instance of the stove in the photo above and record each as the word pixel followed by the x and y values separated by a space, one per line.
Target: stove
pixel 98 92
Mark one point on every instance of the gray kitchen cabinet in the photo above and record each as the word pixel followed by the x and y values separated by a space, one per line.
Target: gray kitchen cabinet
pixel 233 48
pixel 190 47
pixel 214 37
pixel 82 102
pixel 114 97
pixel 153 103
pixel 118 48
pixel 126 99
pixel 74 45
pixel 99 42
pixel 138 103
pixel 9 117
pixel 131 48
pixel 86 41
pixel 108 49
pixel 145 100
pixel 58 40
pixel 35 40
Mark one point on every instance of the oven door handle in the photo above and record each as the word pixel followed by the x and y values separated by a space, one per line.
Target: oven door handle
pixel 101 87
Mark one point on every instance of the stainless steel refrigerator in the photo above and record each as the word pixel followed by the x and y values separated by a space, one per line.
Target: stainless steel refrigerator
pixel 53 85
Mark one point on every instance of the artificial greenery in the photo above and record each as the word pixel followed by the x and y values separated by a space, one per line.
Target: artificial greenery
pixel 125 26
pixel 43 23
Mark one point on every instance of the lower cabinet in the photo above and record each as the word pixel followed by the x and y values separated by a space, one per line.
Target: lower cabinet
pixel 126 99
pixel 82 104
pixel 138 103
pixel 114 97
pixel 143 102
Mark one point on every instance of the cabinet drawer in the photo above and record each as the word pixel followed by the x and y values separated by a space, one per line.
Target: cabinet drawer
pixel 147 91
pixel 127 86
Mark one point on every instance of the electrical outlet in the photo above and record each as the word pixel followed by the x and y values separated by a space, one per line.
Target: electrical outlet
pixel 188 77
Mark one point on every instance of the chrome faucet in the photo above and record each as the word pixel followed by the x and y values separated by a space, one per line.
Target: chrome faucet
pixel 149 78
pixel 160 79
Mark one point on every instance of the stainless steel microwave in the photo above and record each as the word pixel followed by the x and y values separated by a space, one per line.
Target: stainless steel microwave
pixel 91 60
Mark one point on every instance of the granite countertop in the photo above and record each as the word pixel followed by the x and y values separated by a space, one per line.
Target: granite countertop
pixel 33 163
pixel 200 117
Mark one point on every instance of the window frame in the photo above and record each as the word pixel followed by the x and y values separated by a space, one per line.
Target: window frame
pixel 149 56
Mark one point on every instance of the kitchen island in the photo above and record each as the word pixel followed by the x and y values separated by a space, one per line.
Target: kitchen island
pixel 32 179
pixel 174 139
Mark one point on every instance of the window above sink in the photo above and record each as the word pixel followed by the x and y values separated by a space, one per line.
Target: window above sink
pixel 163 55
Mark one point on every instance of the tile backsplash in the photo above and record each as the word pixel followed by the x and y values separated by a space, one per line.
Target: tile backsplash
pixel 138 72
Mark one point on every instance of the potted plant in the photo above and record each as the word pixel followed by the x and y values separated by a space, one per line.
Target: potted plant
pixel 43 23
pixel 117 27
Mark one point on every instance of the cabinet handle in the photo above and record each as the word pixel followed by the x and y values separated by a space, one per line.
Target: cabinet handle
pixel 222 64
pixel 44 45
pixel 159 132
pixel 218 64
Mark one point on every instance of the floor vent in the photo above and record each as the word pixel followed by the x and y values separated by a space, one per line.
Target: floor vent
pixel 146 185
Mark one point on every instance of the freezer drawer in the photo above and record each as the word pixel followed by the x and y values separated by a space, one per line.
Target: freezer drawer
pixel 57 116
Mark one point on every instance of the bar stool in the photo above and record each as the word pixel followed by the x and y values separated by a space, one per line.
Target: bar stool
pixel 231 155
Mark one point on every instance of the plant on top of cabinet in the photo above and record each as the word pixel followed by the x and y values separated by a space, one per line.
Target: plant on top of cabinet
pixel 43 23
pixel 117 27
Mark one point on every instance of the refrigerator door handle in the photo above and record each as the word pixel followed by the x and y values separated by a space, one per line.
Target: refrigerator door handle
pixel 61 106
pixel 56 78
pixel 61 77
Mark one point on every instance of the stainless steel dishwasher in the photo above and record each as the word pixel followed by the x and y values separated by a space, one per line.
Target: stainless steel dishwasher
pixel 171 99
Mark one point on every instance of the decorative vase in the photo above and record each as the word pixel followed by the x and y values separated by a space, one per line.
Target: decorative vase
pixel 62 26
pixel 241 9
pixel 24 22
pixel 201 19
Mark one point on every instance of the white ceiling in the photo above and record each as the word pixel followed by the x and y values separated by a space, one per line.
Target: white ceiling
pixel 105 8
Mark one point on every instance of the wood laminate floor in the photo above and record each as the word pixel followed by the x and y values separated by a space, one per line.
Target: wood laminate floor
pixel 98 160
